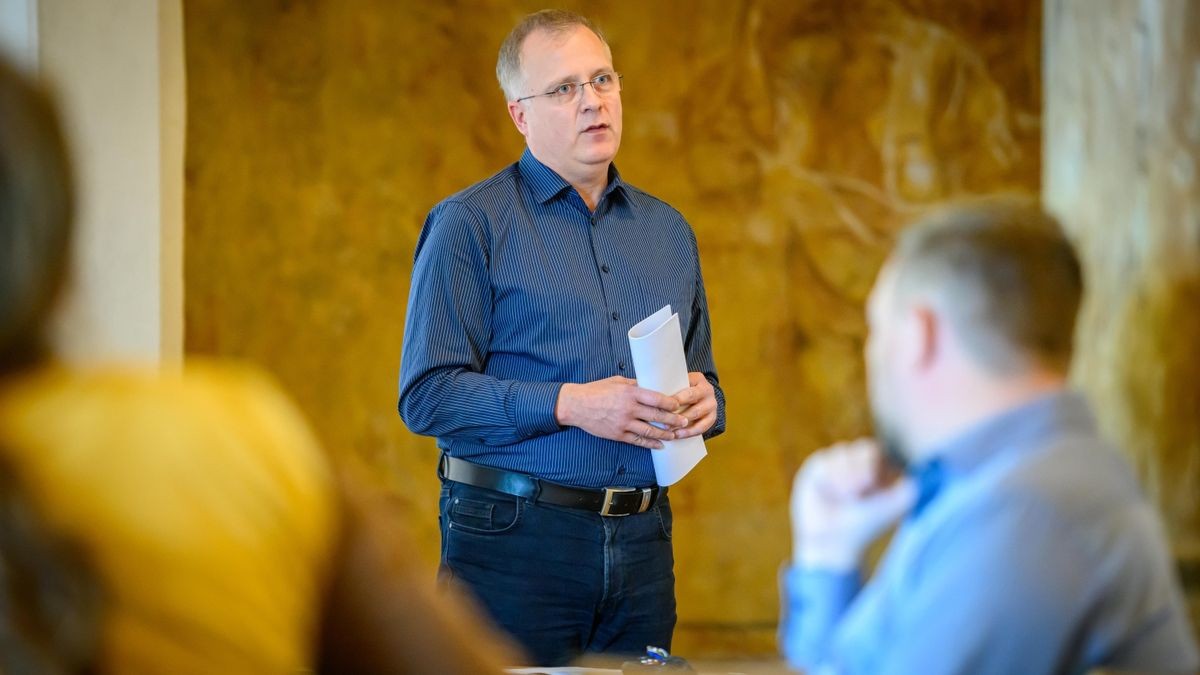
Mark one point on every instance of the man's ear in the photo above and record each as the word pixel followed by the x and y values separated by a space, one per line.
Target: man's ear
pixel 921 336
pixel 517 112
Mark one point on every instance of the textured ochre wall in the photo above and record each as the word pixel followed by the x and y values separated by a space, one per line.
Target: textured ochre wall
pixel 1122 152
pixel 795 136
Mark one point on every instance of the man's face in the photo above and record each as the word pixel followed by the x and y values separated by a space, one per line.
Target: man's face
pixel 574 138
pixel 881 359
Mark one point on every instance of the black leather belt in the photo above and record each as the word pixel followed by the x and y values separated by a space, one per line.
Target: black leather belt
pixel 609 501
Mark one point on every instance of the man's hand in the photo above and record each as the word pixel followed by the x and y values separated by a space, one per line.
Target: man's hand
pixel 617 409
pixel 700 401
pixel 842 499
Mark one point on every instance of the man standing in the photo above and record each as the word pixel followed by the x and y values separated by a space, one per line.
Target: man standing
pixel 1028 546
pixel 516 358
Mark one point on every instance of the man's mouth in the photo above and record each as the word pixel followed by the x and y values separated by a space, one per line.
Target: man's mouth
pixel 595 127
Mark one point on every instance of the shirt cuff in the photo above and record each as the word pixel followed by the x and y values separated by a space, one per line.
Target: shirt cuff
pixel 828 591
pixel 813 604
pixel 531 407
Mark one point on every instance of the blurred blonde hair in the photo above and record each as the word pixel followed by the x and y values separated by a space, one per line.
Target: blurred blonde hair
pixel 201 501
pixel 1006 276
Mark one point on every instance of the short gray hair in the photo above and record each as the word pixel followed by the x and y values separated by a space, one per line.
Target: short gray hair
pixel 1004 274
pixel 553 21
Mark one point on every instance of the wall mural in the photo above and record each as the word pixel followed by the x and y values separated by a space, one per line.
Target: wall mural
pixel 796 137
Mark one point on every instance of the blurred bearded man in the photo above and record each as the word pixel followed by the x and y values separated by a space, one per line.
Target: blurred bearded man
pixel 1027 545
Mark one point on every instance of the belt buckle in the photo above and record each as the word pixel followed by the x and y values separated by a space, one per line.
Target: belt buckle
pixel 611 492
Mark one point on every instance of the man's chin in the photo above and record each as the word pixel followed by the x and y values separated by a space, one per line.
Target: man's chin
pixel 894 451
pixel 891 444
pixel 599 154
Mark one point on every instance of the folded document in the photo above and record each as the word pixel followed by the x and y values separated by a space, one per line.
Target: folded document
pixel 657 346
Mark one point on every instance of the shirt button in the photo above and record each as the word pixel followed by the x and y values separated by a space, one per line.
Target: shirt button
pixel 621 366
pixel 604 268
pixel 616 315
pixel 620 470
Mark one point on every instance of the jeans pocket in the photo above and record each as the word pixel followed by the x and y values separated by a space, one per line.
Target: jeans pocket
pixel 483 514
pixel 443 499
pixel 665 518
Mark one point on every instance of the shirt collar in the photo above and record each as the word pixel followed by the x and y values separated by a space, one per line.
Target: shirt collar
pixel 1026 427
pixel 546 184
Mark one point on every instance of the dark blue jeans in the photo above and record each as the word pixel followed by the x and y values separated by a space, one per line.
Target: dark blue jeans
pixel 562 581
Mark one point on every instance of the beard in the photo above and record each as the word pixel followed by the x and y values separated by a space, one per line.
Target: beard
pixel 889 442
pixel 886 422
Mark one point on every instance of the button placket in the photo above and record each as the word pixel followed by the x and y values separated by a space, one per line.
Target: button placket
pixel 617 337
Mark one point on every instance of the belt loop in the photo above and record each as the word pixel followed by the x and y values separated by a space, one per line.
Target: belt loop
pixel 537 489
pixel 441 467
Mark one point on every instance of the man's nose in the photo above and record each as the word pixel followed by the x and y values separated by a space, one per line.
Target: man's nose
pixel 588 98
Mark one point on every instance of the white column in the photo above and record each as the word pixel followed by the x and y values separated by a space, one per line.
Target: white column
pixel 117 69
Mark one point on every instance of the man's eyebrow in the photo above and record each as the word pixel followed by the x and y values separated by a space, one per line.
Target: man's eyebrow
pixel 554 84
pixel 569 79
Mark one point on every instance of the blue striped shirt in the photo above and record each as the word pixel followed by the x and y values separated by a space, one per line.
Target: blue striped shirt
pixel 517 288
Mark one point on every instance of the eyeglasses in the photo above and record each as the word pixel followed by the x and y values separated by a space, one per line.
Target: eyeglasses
pixel 604 84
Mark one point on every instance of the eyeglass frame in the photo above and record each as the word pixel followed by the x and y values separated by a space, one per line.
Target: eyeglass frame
pixel 578 87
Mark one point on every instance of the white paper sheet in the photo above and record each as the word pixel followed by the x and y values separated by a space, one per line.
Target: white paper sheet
pixel 658 362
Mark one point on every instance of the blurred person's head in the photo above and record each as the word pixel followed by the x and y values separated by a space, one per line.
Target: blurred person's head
pixel 577 131
pixel 35 217
pixel 973 313
pixel 196 507
pixel 50 602
pixel 180 522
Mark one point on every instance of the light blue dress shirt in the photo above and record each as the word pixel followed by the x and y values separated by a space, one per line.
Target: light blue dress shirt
pixel 1034 551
